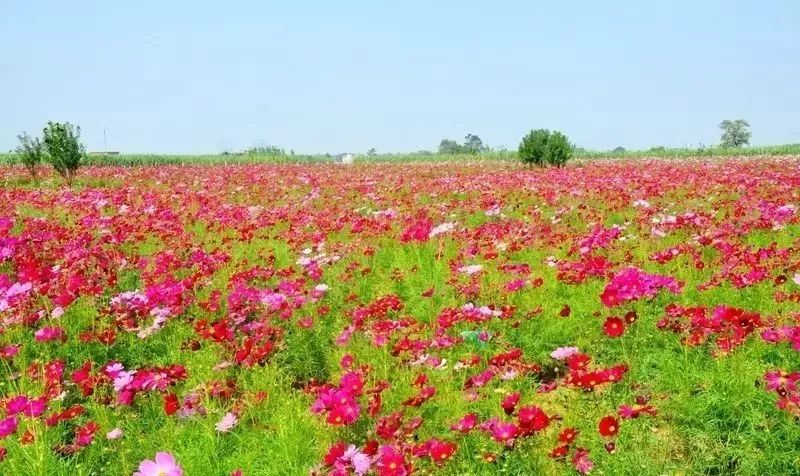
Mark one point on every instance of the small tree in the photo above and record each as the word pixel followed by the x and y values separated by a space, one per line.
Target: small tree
pixel 473 144
pixel 619 150
pixel 64 149
pixel 558 150
pixel 449 146
pixel 31 151
pixel 735 133
pixel 533 146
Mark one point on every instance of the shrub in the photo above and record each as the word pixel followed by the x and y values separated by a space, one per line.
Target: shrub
pixel 533 146
pixel 64 149
pixel 541 147
pixel 558 150
pixel 31 151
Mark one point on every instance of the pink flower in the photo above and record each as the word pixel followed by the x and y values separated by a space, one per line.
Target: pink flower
pixel 49 334
pixel 796 279
pixel 563 353
pixel 581 461
pixel 114 434
pixel 227 423
pixel 163 465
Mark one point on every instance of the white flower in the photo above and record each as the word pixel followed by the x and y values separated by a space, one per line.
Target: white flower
pixel 471 269
pixel 441 229
pixel 114 434
pixel 321 288
pixel 796 279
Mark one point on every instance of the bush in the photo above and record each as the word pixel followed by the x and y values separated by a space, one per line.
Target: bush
pixel 541 147
pixel 31 151
pixel 558 150
pixel 533 146
pixel 64 149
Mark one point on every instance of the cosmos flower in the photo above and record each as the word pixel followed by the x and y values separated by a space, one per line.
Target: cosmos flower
pixel 226 424
pixel 163 464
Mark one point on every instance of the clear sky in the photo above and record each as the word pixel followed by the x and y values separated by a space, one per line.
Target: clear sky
pixel 320 76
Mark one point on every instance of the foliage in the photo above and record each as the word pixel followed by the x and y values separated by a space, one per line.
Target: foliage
pixel 558 150
pixel 473 144
pixel 268 150
pixel 619 150
pixel 64 149
pixel 533 146
pixel 735 133
pixel 541 147
pixel 31 152
pixel 450 147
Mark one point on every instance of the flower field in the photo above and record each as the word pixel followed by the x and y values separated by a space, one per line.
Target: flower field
pixel 612 317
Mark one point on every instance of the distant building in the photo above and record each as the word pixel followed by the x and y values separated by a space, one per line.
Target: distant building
pixel 346 158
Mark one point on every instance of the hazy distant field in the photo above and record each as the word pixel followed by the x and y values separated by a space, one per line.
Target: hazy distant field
pixel 165 159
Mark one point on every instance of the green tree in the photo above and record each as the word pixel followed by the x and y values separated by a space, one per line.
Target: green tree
pixel 735 133
pixel 448 146
pixel 64 148
pixel 558 150
pixel 473 144
pixel 533 146
pixel 372 152
pixel 619 150
pixel 31 151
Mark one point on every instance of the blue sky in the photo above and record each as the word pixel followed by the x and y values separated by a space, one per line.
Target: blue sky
pixel 190 77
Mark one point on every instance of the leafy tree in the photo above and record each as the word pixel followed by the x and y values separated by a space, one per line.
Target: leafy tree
pixel 558 150
pixel 31 150
pixel 269 150
pixel 533 146
pixel 735 133
pixel 64 148
pixel 372 152
pixel 619 150
pixel 473 144
pixel 659 148
pixel 448 146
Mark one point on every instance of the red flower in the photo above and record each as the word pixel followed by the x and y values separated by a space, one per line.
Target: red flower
pixel 559 452
pixel 171 404
pixel 614 327
pixel 565 311
pixel 533 418
pixel 568 435
pixel 608 426
pixel 334 453
pixel 509 403
pixel 440 451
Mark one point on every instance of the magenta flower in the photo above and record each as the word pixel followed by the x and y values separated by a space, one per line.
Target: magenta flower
pixel 163 465
pixel 8 426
